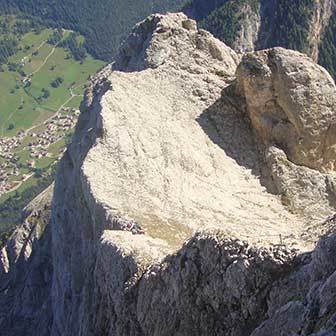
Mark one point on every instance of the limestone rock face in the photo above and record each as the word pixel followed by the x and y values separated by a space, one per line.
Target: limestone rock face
pixel 174 40
pixel 230 287
pixel 303 303
pixel 291 102
pixel 302 189
pixel 166 140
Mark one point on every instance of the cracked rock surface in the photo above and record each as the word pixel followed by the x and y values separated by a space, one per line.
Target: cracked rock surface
pixel 172 137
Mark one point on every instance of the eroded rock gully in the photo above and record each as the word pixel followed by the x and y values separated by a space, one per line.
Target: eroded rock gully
pixel 174 137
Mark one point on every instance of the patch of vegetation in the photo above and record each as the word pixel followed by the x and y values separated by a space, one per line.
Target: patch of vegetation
pixel 55 37
pixel 200 9
pixel 73 44
pixel 4 236
pixel 8 47
pixel 11 206
pixel 45 93
pixel 57 82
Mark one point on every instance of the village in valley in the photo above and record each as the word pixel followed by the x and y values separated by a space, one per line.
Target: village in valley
pixel 43 74
pixel 24 154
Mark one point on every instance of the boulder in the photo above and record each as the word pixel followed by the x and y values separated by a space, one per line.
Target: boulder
pixel 291 102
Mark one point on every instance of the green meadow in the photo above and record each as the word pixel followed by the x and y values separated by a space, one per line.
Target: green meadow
pixel 23 102
pixel 44 75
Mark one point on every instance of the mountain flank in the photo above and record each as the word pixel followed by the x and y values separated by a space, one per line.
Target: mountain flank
pixel 197 197
pixel 245 25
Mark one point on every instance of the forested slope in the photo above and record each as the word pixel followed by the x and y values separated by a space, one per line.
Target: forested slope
pixel 283 23
pixel 103 22
pixel 305 25
pixel 328 47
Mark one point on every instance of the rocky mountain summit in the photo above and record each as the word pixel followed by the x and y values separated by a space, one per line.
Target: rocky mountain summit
pixel 194 190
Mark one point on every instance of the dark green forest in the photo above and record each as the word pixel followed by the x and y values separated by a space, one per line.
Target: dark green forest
pixel 287 24
pixel 200 9
pixel 327 56
pixel 104 23
pixel 8 47
pixel 284 22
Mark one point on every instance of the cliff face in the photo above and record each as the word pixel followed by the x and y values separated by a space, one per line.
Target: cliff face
pixel 26 273
pixel 218 168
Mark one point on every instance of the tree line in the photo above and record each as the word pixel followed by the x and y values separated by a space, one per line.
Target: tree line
pixel 103 23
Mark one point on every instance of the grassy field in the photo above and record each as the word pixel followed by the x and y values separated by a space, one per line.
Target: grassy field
pixel 22 106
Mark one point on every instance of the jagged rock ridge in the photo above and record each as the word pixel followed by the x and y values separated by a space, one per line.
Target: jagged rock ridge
pixel 169 138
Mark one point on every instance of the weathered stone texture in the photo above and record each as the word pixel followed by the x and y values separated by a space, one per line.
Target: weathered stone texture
pixel 222 169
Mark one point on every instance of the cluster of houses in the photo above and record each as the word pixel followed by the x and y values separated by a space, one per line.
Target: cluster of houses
pixel 6 172
pixel 8 145
pixel 54 129
pixel 8 165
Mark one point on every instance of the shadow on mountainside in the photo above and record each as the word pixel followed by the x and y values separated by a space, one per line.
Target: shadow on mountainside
pixel 25 300
pixel 234 288
pixel 228 126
